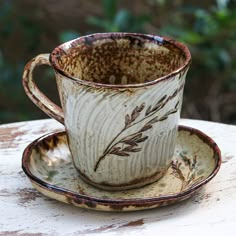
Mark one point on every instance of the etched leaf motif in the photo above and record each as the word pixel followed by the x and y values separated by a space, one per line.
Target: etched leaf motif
pixel 128 148
pixel 141 139
pixel 176 170
pixel 136 112
pixel 136 150
pixel 148 111
pixel 117 151
pixel 127 120
pixel 131 149
pixel 114 150
pixel 158 107
pixel 141 107
pixel 163 118
pixel 194 162
pixel 137 136
pixel 162 99
pixel 185 159
pixel 177 104
pixel 154 120
pixel 159 104
pixel 175 93
pixel 130 144
pixel 146 127
pixel 121 153
pixel 171 112
pixel 188 177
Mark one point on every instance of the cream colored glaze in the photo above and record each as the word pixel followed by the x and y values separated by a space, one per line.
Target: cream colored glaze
pixel 120 138
pixel 193 163
pixel 93 117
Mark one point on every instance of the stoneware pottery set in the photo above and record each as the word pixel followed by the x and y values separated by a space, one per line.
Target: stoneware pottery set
pixel 122 148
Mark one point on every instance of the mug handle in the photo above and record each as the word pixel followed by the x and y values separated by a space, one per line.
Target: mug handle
pixel 33 92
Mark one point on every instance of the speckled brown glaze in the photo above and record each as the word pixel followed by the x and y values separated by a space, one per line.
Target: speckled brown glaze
pixel 47 163
pixel 118 59
pixel 33 91
pixel 121 97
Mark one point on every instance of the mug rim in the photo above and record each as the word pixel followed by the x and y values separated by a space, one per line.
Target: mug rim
pixel 159 39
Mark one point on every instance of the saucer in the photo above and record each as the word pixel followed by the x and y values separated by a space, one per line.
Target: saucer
pixel 47 163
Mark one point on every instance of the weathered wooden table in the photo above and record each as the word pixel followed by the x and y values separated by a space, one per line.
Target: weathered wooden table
pixel 24 211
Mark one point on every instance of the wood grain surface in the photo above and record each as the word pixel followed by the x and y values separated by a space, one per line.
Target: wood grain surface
pixel 24 211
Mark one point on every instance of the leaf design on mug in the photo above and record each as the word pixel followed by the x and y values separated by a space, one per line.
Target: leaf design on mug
pixel 130 144
pixel 157 107
pixel 187 179
pixel 135 114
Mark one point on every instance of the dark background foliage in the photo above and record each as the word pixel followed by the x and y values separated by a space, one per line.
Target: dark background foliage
pixel 29 27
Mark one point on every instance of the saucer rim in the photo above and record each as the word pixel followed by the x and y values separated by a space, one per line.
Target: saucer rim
pixel 126 202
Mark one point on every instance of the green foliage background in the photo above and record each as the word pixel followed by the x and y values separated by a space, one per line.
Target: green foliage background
pixel 28 28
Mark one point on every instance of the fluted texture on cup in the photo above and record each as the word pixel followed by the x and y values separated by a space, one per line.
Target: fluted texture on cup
pixel 120 136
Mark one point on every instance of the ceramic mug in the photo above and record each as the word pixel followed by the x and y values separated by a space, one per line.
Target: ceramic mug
pixel 121 96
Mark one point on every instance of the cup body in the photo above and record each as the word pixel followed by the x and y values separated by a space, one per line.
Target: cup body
pixel 121 96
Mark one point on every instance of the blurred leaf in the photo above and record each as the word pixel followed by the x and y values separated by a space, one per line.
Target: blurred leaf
pixel 188 9
pixel 1 59
pixel 5 9
pixel 6 23
pixel 68 35
pixel 208 29
pixel 222 4
pixel 122 19
pixel 102 24
pixel 191 37
pixel 224 56
pixel 109 8
pixel 161 2
pixel 222 15
pixel 95 21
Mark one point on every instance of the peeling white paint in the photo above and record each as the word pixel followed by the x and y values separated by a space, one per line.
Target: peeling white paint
pixel 23 211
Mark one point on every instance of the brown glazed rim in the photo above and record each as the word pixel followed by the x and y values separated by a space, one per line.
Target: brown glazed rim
pixel 158 39
pixel 121 203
